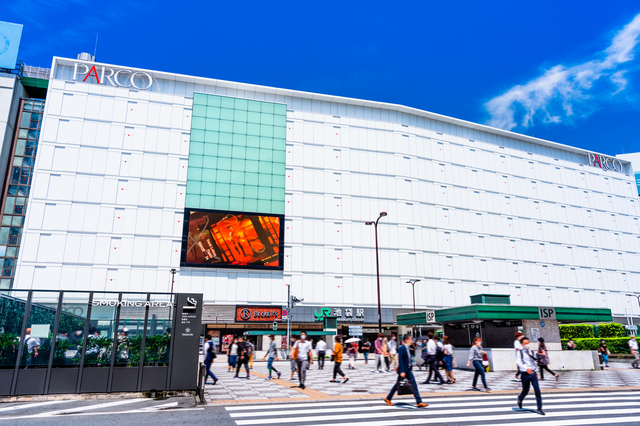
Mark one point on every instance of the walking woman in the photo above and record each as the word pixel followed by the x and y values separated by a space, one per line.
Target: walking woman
pixel 603 351
pixel 448 360
pixel 543 359
pixel 233 355
pixel 353 352
pixel 475 357
pixel 337 360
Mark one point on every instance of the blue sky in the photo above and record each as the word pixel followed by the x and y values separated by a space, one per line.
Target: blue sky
pixel 564 71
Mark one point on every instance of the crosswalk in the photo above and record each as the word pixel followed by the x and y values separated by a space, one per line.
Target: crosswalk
pixel 592 408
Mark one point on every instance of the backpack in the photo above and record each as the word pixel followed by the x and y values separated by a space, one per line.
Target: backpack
pixel 248 349
pixel 211 353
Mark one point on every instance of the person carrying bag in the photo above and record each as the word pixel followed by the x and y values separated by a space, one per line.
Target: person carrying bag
pixel 406 381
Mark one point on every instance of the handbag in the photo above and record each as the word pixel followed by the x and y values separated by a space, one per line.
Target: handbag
pixel 294 352
pixel 405 387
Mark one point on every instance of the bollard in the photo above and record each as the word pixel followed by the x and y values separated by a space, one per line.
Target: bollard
pixel 202 376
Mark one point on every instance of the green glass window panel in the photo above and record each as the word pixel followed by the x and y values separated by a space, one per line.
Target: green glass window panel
pixel 264 180
pixel 239 127
pixel 226 114
pixel 279 143
pixel 196 161
pixel 251 178
pixel 264 205
pixel 266 155
pixel 197 134
pixel 194 173
pixel 264 193
pixel 237 165
pixel 279 156
pixel 208 175
pixel 22 133
pixel 222 189
pixel 279 169
pixel 253 141
pixel 211 137
pixel 212 125
pixel 199 111
pixel 213 100
pixel 194 187
pixel 241 104
pixel 253 129
pixel 213 112
pixel 253 117
pixel 17 161
pixel 236 190
pixel 280 131
pixel 226 102
pixel 266 143
pixel 252 165
pixel 20 201
pixel 237 177
pixel 199 99
pixel 236 203
pixel 220 203
pixel 192 201
pixel 210 162
pixel 277 207
pixel 212 149
pixel 206 201
pixel 278 181
pixel 195 148
pixel 224 176
pixel 253 154
pixel 11 251
pixel 224 151
pixel 277 194
pixel 267 107
pixel 239 140
pixel 266 130
pixel 280 109
pixel 226 126
pixel 208 188
pixel 20 146
pixel 240 116
pixel 254 106
pixel 265 167
pixel 250 191
pixel 226 138
pixel 266 119
pixel 197 122
pixel 6 220
pixel 251 205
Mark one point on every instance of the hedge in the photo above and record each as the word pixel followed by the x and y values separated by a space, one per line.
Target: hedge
pixel 617 345
pixel 613 329
pixel 576 331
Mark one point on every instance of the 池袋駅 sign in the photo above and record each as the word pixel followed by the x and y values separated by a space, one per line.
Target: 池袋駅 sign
pixel 132 304
pixel 605 163
pixel 122 77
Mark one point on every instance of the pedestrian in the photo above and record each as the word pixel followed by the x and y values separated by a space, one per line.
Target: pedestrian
pixel 633 346
pixel 294 361
pixel 405 372
pixel 321 349
pixel 543 359
pixel 243 357
pixel 517 346
pixel 571 345
pixel 271 355
pixel 252 350
pixel 209 355
pixel 433 351
pixel 353 351
pixel 448 360
pixel 475 357
pixel 366 348
pixel 337 360
pixel 604 354
pixel 527 367
pixel 33 344
pixel 393 352
pixel 378 353
pixel 412 352
pixel 304 357
pixel 385 354
pixel 233 355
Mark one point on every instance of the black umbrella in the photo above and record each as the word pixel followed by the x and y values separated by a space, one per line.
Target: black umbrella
pixel 423 337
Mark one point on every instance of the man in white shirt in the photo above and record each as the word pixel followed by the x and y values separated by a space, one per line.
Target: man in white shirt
pixel 517 346
pixel 321 349
pixel 305 357
pixel 633 346
pixel 393 351
pixel 528 368
pixel 432 361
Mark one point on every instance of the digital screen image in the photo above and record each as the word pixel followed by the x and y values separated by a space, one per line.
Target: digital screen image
pixel 217 238
pixel 10 35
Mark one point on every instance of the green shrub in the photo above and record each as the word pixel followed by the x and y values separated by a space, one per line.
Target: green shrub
pixel 576 331
pixel 616 345
pixel 613 329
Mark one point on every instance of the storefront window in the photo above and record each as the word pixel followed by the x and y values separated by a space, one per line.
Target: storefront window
pixel 159 330
pixel 130 332
pixel 101 331
pixel 40 324
pixel 68 349
pixel 12 311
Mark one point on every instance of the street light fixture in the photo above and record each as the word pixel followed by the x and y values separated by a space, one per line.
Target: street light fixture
pixel 375 225
pixel 173 278
pixel 413 287
pixel 636 296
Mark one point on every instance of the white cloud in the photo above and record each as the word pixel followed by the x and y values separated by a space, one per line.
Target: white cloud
pixel 562 92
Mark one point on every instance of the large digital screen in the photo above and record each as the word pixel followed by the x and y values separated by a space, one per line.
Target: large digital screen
pixel 225 239
pixel 10 35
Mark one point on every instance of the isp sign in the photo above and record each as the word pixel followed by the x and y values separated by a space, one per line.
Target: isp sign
pixel 547 313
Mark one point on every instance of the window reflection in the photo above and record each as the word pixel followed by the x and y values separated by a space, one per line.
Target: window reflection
pixel 68 348
pixel 12 311
pixel 37 340
pixel 101 332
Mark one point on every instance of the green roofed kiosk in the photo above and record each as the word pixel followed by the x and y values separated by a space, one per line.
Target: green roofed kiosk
pixel 495 320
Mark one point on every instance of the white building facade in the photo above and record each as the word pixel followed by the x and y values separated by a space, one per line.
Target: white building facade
pixel 471 209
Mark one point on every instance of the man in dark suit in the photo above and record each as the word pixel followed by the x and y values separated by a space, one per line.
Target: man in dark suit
pixel 404 371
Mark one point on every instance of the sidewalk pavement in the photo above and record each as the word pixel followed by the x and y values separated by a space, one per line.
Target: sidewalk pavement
pixel 364 383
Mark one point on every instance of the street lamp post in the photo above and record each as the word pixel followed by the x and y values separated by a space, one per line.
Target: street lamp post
pixel 413 288
pixel 375 225
pixel 173 278
pixel 636 296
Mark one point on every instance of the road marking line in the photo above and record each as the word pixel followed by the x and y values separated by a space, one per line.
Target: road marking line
pixel 98 406
pixel 31 405
pixel 78 414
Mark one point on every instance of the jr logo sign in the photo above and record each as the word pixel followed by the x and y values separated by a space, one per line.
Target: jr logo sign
pixel 324 312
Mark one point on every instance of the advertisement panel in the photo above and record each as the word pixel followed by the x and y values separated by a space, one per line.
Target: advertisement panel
pixel 638 182
pixel 10 35
pixel 226 239
pixel 258 313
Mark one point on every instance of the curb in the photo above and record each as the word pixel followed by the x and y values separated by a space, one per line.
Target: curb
pixel 96 396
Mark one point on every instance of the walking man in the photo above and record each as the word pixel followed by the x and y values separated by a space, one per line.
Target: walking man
pixel 337 360
pixel 243 357
pixel 432 360
pixel 321 348
pixel 528 369
pixel 405 372
pixel 272 354
pixel 393 352
pixel 366 348
pixel 209 355
pixel 378 353
pixel 294 362
pixel 304 358
pixel 517 346
pixel 633 345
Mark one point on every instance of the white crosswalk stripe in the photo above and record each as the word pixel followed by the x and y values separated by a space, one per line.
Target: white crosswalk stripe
pixel 569 408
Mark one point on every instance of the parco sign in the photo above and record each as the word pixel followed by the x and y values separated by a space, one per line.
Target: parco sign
pixel 605 163
pixel 120 78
